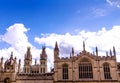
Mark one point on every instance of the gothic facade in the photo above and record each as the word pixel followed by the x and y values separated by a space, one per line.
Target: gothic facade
pixel 85 67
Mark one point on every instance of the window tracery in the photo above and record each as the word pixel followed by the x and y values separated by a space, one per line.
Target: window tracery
pixel 85 69
pixel 106 69
pixel 65 71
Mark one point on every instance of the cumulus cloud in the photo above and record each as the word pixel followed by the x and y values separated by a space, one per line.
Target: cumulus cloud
pixel 17 39
pixel 114 3
pixel 104 39
pixel 15 36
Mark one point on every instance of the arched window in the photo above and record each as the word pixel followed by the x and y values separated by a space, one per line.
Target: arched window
pixel 85 69
pixel 106 69
pixel 7 80
pixel 65 71
pixel 41 70
pixel 25 70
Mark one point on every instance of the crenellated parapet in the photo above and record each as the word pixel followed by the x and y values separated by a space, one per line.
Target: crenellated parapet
pixel 32 76
pixel 109 56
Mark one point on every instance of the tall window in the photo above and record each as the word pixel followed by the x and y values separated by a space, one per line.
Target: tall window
pixel 25 70
pixel 85 70
pixel 118 67
pixel 106 71
pixel 7 80
pixel 65 71
pixel 43 70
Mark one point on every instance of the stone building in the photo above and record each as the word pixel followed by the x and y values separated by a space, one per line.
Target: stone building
pixel 85 67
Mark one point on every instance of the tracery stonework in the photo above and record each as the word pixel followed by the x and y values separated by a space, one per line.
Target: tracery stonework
pixel 84 67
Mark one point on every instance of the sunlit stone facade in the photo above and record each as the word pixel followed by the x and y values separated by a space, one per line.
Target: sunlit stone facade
pixel 84 67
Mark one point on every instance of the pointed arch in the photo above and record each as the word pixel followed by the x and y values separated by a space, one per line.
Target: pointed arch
pixel 85 69
pixel 106 69
pixel 7 80
pixel 65 71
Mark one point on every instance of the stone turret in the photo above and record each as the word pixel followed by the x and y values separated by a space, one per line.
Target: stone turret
pixel 27 60
pixel 43 61
pixel 10 64
pixel 43 55
pixel 28 54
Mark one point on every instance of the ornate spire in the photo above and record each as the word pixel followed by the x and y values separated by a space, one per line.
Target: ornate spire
pixel 1 59
pixel 110 52
pixel 70 55
pixel 106 53
pixel 11 57
pixel 19 61
pixel 114 51
pixel 43 55
pixel 72 52
pixel 35 61
pixel 96 51
pixel 15 59
pixel 83 46
pixel 28 50
pixel 19 65
pixel 56 46
pixel 93 53
pixel 28 54
pixel 12 53
pixel 56 51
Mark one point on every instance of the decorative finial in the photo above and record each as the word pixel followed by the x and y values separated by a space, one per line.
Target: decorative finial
pixel 56 46
pixel 19 61
pixel 43 55
pixel 56 51
pixel 43 48
pixel 96 51
pixel 106 53
pixel 35 61
pixel 11 55
pixel 1 59
pixel 70 55
pixel 28 48
pixel 72 52
pixel 28 53
pixel 15 58
pixel 114 51
pixel 93 53
pixel 110 52
pixel 83 45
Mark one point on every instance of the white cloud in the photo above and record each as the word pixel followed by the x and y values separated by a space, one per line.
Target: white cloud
pixel 98 12
pixel 104 39
pixel 16 37
pixel 114 3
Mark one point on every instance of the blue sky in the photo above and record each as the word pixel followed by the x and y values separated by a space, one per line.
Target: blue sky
pixel 42 22
pixel 48 16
